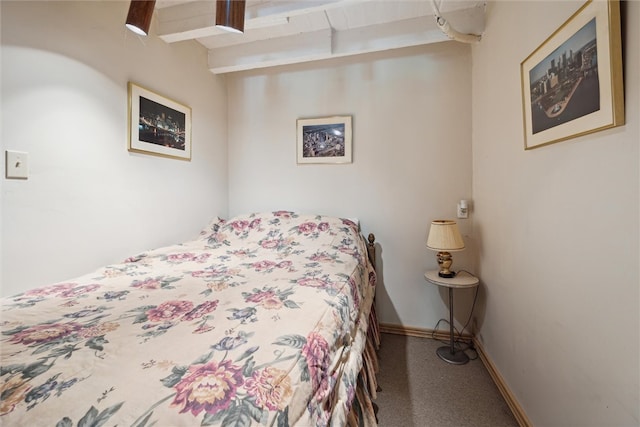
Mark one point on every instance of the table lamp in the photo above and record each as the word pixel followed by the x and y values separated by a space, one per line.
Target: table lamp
pixel 444 237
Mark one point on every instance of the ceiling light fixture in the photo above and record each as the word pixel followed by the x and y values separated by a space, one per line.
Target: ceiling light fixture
pixel 230 15
pixel 139 16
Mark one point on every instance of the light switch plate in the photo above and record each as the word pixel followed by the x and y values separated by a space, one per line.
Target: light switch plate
pixel 17 165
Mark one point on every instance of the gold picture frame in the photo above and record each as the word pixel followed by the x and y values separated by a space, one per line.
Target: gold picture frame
pixel 324 140
pixel 158 125
pixel 572 83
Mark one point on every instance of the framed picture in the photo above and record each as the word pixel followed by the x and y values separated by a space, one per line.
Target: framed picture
pixel 572 84
pixel 324 140
pixel 158 125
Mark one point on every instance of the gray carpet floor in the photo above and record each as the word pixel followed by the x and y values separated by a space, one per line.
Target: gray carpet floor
pixel 420 390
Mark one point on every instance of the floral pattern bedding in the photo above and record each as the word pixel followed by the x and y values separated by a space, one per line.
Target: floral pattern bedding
pixel 261 320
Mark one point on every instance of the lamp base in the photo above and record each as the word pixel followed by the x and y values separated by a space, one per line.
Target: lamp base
pixel 458 357
pixel 448 275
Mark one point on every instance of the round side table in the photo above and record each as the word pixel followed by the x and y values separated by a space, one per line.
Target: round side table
pixel 459 281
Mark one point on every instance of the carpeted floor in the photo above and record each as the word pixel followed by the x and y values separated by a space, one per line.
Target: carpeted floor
pixel 420 390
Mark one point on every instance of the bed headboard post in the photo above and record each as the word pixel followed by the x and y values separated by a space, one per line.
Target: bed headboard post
pixel 371 249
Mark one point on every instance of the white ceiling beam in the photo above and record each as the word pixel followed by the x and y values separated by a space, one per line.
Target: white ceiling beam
pixel 375 38
pixel 186 21
pixel 325 44
pixel 313 29
pixel 290 7
pixel 299 24
pixel 356 15
pixel 268 53
pixel 196 19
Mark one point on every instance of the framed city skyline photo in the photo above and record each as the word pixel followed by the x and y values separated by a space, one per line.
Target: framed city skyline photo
pixel 324 140
pixel 572 84
pixel 158 125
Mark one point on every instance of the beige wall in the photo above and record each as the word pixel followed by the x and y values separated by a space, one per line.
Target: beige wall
pixel 557 230
pixel 411 156
pixel 88 202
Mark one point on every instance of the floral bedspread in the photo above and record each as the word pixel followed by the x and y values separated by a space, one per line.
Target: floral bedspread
pixel 258 321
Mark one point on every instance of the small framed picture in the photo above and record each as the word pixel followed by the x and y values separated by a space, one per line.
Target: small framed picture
pixel 158 125
pixel 572 83
pixel 324 140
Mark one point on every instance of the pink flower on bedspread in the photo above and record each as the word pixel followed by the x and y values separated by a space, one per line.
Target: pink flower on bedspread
pixel 349 250
pixel 203 329
pixel 149 283
pixel 271 388
pixel 185 257
pixel 240 253
pixel 313 282
pixel 307 227
pixel 273 303
pixel 283 214
pixel 372 278
pixel 316 352
pixel 350 223
pixel 209 387
pixel 263 265
pixel 268 298
pixel 321 257
pixel 79 290
pixel 215 272
pixel 200 310
pixel 50 290
pixel 239 226
pixel 279 244
pixel 169 310
pixel 284 264
pixel 269 244
pixel 355 293
pixel 40 334
pixel 260 296
pixel 323 226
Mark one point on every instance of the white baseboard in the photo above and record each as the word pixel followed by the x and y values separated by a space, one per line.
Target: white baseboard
pixel 508 396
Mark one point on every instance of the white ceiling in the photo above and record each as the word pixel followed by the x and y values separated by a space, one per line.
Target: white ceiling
pixel 281 32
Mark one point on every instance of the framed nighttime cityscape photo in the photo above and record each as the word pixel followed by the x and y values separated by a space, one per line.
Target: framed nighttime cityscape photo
pixel 324 140
pixel 572 84
pixel 158 125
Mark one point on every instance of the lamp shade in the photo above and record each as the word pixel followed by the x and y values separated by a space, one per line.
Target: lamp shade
pixel 139 16
pixel 230 15
pixel 444 236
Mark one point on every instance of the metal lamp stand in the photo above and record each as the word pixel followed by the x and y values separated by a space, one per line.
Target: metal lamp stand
pixel 449 353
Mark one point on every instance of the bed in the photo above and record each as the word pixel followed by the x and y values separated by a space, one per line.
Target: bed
pixel 263 319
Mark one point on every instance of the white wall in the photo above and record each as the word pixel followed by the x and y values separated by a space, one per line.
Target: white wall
pixel 411 156
pixel 557 230
pixel 88 201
